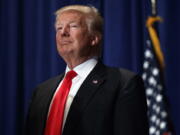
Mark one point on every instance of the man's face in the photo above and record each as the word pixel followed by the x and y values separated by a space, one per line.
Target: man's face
pixel 72 37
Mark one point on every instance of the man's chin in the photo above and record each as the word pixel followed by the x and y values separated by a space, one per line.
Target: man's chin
pixel 65 53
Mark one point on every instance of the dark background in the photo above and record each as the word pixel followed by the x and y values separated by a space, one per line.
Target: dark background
pixel 28 53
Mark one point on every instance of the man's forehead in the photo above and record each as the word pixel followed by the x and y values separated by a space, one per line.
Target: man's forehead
pixel 72 16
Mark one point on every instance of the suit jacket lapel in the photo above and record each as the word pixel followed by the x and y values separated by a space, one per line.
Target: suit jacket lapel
pixel 48 93
pixel 84 95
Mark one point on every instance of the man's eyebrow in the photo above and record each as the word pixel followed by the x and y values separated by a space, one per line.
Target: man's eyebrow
pixel 69 22
pixel 74 22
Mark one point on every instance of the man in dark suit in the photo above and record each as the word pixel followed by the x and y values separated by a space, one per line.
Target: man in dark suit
pixel 101 100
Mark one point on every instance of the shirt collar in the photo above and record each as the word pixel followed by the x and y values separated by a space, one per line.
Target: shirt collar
pixel 84 68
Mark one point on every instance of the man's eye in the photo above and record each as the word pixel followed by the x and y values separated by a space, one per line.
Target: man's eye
pixel 59 28
pixel 73 26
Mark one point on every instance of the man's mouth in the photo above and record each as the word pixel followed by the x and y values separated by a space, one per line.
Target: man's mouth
pixel 65 42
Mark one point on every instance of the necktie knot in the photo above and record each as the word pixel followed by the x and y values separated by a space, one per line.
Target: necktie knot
pixel 70 75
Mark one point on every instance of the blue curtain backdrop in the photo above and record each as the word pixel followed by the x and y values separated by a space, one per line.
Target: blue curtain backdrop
pixel 28 53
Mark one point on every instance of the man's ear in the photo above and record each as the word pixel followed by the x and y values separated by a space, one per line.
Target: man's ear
pixel 96 38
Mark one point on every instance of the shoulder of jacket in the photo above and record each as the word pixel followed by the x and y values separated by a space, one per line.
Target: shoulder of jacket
pixel 51 81
pixel 122 75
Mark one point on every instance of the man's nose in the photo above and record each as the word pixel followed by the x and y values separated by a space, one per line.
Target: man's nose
pixel 65 31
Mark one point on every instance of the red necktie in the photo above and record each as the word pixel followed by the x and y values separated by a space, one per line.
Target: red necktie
pixel 55 119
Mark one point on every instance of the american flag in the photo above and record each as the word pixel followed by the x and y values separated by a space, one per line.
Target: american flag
pixel 157 114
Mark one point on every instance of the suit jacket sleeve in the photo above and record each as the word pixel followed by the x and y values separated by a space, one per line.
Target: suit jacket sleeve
pixel 130 116
pixel 39 106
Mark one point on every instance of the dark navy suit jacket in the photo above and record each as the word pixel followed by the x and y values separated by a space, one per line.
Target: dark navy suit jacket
pixel 110 101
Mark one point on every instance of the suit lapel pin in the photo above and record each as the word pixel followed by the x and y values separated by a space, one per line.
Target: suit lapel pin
pixel 95 81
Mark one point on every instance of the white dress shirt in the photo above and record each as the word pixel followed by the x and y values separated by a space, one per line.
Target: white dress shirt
pixel 82 71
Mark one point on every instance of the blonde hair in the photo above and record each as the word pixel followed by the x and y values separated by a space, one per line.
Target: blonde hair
pixel 93 19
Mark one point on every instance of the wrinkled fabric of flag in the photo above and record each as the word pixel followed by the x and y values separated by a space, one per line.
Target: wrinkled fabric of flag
pixel 157 109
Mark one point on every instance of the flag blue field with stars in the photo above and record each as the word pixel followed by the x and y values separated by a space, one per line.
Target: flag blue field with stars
pixel 157 112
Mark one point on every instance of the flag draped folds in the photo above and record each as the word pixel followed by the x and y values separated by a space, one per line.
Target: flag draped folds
pixel 152 75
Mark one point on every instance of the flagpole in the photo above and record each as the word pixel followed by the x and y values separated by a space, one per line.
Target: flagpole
pixel 154 7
